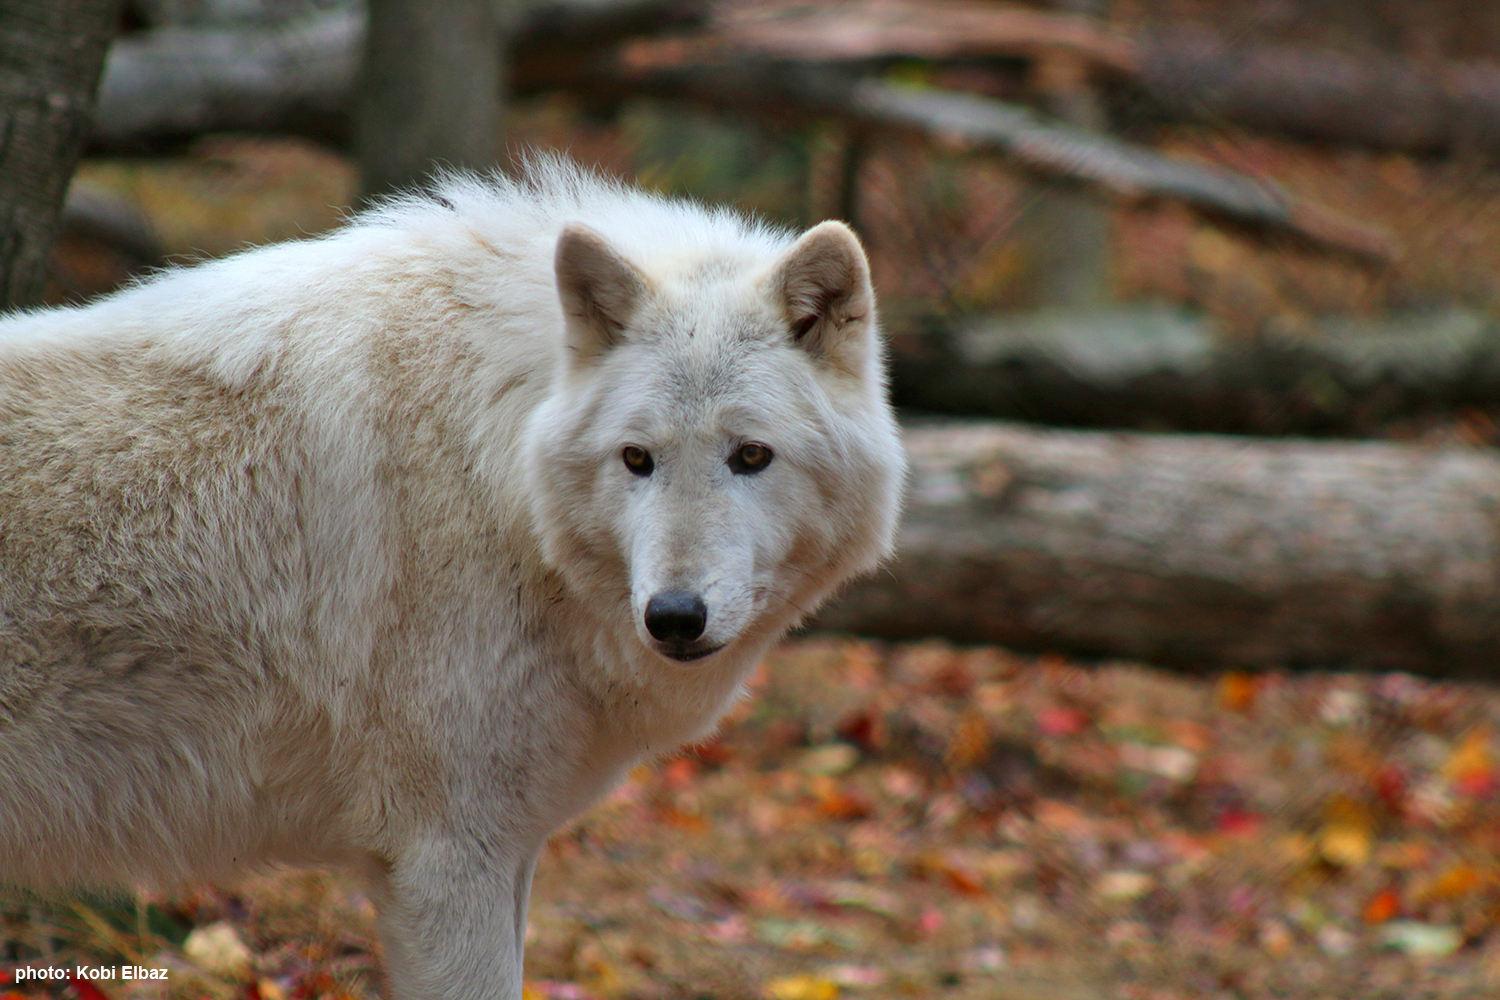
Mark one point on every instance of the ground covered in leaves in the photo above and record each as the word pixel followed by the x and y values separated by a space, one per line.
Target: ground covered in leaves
pixel 894 821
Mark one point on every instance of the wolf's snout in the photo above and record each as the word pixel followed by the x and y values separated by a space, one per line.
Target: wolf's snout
pixel 674 616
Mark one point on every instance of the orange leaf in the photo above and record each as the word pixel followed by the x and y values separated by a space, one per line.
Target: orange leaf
pixel 1382 906
pixel 1237 691
pixel 1059 816
pixel 1190 735
pixel 1470 758
pixel 1457 880
pixel 803 987
pixel 963 882
pixel 971 742
pixel 691 822
pixel 1347 834
pixel 842 806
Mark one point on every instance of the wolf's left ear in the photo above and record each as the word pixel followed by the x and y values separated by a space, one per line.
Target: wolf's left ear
pixel 823 288
pixel 600 291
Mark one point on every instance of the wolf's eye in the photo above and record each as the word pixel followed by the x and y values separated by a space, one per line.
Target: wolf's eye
pixel 638 460
pixel 750 459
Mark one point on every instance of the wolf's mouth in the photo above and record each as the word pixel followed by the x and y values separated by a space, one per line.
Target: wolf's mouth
pixel 689 655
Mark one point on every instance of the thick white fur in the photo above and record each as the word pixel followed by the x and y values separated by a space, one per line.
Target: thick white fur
pixel 326 553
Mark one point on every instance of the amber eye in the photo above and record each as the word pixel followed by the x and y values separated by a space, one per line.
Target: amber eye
pixel 750 459
pixel 638 460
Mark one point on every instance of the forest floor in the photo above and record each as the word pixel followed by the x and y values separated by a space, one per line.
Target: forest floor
pixel 922 820
pixel 882 821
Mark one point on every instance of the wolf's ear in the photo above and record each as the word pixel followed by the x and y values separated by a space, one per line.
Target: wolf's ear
pixel 599 289
pixel 823 288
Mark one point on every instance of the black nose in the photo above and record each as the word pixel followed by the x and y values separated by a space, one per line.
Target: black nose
pixel 674 616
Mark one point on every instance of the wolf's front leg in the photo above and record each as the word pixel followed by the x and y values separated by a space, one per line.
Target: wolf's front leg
pixel 453 919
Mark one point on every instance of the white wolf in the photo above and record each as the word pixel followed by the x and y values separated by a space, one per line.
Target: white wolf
pixel 394 549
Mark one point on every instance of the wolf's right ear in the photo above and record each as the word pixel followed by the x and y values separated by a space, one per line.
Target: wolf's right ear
pixel 822 285
pixel 600 291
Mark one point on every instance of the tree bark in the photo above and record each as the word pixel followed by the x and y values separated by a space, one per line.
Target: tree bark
pixel 1195 552
pixel 51 55
pixel 1067 233
pixel 431 93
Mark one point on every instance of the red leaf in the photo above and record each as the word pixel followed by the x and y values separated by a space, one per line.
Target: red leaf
pixel 1477 784
pixel 1390 786
pixel 714 752
pixel 678 773
pixel 865 729
pixel 1061 721
pixel 930 922
pixel 85 989
pixel 1236 822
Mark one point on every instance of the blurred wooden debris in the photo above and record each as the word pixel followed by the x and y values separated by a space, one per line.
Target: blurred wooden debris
pixel 1130 171
pixel 1195 552
pixel 1190 71
pixel 1323 95
pixel 298 78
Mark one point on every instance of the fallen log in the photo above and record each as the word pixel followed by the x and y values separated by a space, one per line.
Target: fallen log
pixel 298 77
pixel 1324 96
pixel 883 29
pixel 1195 552
pixel 1162 368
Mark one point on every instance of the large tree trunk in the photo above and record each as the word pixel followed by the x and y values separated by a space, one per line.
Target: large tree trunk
pixel 432 91
pixel 1197 552
pixel 1066 232
pixel 51 55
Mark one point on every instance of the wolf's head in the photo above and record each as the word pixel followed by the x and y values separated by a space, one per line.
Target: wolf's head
pixel 717 453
